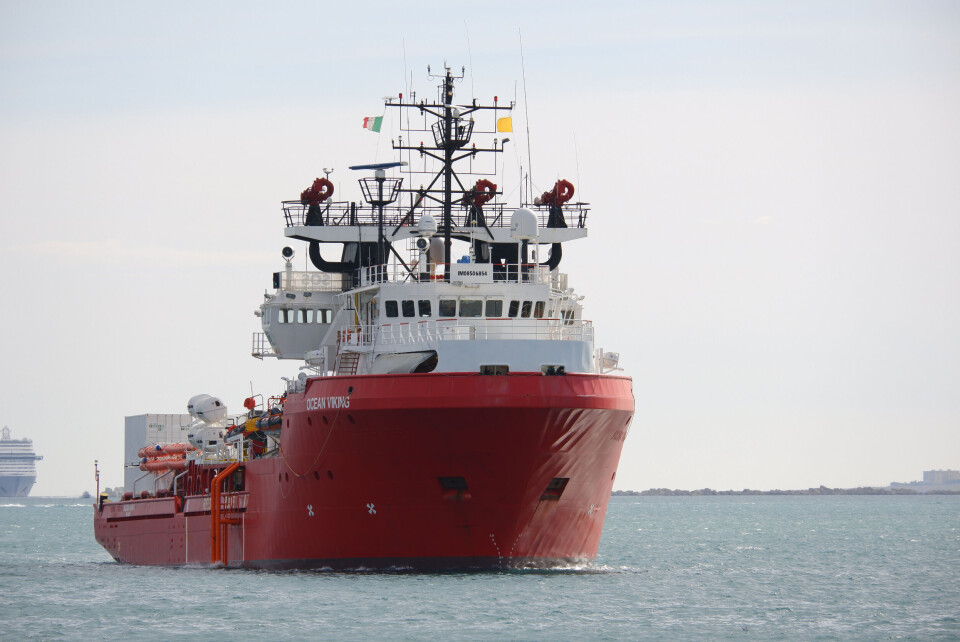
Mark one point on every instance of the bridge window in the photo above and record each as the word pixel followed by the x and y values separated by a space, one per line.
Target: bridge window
pixel 324 316
pixel 284 315
pixel 494 307
pixel 526 309
pixel 390 307
pixel 514 309
pixel 538 309
pixel 448 307
pixel 568 317
pixel 471 307
pixel 304 316
pixel 424 305
pixel 407 308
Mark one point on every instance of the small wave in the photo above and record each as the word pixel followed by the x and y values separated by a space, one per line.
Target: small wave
pixel 44 505
pixel 59 505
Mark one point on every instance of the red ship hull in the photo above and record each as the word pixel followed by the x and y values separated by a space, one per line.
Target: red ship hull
pixel 424 471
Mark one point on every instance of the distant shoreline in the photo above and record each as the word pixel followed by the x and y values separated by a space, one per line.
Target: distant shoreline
pixel 822 490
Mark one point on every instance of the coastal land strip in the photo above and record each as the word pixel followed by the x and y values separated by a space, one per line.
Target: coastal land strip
pixel 822 490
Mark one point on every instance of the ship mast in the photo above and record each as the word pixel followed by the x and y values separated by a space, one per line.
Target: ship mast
pixel 449 146
pixel 451 132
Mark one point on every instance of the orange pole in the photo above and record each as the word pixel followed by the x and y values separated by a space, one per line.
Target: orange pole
pixel 217 538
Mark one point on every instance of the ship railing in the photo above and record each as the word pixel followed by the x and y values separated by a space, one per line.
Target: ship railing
pixel 261 347
pixel 432 331
pixel 528 274
pixel 338 213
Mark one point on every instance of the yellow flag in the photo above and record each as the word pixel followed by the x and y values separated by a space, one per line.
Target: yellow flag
pixel 505 124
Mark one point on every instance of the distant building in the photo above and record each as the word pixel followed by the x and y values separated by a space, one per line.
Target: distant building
pixel 941 476
pixel 933 480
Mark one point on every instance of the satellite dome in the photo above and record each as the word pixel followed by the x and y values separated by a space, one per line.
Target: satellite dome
pixel 523 225
pixel 427 226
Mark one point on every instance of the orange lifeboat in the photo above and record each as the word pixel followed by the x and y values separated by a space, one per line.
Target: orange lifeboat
pixel 161 450
pixel 158 464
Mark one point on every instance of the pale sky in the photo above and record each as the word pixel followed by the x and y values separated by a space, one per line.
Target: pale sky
pixel 774 242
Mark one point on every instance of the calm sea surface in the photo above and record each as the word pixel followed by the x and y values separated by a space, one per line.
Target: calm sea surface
pixel 677 568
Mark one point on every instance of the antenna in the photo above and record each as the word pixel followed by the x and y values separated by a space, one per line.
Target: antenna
pixel 576 157
pixel 526 109
pixel 403 42
pixel 473 92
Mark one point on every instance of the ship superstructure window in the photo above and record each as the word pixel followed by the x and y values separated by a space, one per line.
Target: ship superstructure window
pixel 514 309
pixel 494 307
pixel 407 308
pixel 391 309
pixel 448 308
pixel 526 309
pixel 424 306
pixel 538 309
pixel 304 315
pixel 471 307
pixel 568 317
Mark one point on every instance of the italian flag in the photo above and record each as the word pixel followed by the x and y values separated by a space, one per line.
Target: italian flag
pixel 373 123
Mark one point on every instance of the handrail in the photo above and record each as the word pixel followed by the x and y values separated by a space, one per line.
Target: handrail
pixel 527 274
pixel 345 213
pixel 466 329
pixel 176 480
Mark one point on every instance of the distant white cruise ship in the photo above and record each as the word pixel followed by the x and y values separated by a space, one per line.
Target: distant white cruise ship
pixel 18 472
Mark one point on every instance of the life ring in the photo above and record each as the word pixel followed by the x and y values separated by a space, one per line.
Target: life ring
pixel 564 191
pixel 484 190
pixel 321 190
pixel 560 194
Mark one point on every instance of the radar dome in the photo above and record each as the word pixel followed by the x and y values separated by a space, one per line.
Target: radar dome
pixel 523 225
pixel 427 226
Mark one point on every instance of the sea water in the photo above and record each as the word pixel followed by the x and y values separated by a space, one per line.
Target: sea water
pixel 677 568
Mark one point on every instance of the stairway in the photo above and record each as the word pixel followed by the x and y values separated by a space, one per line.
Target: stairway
pixel 347 363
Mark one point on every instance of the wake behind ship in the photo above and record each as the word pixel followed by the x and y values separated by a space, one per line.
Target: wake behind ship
pixel 18 470
pixel 446 414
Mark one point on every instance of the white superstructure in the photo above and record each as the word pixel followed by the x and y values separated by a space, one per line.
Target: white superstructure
pixel 18 470
pixel 432 273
